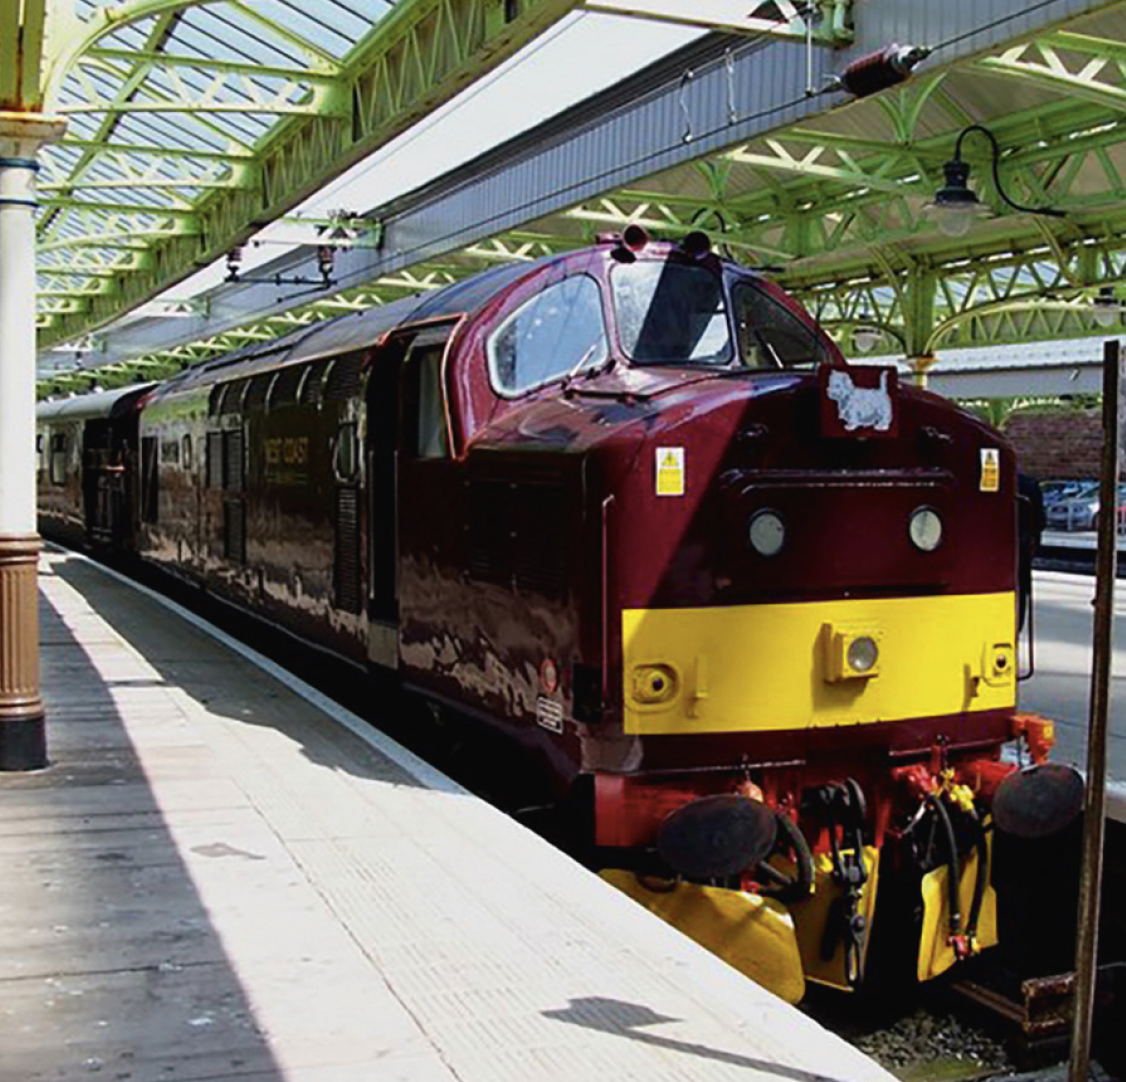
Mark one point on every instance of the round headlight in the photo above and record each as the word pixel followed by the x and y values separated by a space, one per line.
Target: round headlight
pixel 926 529
pixel 863 653
pixel 767 533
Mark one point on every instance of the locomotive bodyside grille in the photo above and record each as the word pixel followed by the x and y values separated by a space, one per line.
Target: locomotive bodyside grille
pixel 234 531
pixel 344 378
pixel 255 400
pixel 518 536
pixel 539 538
pixel 284 391
pixel 312 389
pixel 234 473
pixel 347 555
pixel 490 549
pixel 215 459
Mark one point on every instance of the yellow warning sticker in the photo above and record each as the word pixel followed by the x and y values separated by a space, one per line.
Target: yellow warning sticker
pixel 670 471
pixel 990 469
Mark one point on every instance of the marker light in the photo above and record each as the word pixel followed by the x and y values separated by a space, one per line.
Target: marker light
pixel 863 653
pixel 767 533
pixel 926 529
pixel 852 653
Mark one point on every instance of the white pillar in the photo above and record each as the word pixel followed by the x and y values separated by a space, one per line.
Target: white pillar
pixel 23 743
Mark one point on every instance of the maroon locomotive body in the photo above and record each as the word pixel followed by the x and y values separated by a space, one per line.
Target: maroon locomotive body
pixel 750 610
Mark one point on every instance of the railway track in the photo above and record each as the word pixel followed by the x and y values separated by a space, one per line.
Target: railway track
pixel 927 1037
pixel 974 1028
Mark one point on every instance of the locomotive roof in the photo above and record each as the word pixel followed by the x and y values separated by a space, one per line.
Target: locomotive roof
pixel 360 330
pixel 90 407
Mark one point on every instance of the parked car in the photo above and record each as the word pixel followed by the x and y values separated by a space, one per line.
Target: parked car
pixel 1081 511
pixel 1055 490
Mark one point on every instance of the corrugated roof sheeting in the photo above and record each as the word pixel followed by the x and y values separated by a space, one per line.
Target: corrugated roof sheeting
pixel 644 139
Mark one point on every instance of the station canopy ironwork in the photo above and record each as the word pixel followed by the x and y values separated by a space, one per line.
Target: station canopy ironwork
pixel 831 191
pixel 190 123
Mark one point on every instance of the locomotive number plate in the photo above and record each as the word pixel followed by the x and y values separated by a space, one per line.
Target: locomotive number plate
pixel 549 714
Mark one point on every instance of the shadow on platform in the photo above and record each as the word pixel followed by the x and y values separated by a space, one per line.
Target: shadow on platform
pixel 111 966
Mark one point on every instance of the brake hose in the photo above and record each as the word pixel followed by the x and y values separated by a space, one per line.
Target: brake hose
pixel 955 877
pixel 980 880
pixel 801 886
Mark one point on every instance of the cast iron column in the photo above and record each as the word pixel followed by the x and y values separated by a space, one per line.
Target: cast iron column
pixel 23 739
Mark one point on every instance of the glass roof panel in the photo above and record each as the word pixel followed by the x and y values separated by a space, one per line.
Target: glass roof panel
pixel 319 22
pixel 223 39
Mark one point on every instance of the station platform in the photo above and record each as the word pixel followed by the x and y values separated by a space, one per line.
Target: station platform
pixel 224 876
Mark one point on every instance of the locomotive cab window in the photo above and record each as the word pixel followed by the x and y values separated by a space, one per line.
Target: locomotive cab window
pixel 671 313
pixel 558 332
pixel 770 335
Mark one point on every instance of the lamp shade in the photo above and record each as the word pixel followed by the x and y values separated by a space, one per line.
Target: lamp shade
pixel 955 205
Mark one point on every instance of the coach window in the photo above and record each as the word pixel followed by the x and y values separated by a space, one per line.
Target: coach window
pixel 186 452
pixel 41 455
pixel 770 335
pixel 58 458
pixel 558 332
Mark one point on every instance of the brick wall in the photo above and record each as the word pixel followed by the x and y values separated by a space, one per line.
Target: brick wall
pixel 1066 443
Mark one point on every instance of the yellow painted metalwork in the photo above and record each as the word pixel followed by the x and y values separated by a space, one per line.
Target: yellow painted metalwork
pixel 813 914
pixel 770 667
pixel 936 955
pixel 755 935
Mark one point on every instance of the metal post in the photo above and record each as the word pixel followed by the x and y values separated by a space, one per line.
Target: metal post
pixel 23 744
pixel 1094 823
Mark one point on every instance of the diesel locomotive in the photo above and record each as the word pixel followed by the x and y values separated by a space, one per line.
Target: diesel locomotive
pixel 749 612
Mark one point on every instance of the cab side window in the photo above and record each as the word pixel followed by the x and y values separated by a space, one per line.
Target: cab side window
pixel 424 411
pixel 770 335
pixel 558 332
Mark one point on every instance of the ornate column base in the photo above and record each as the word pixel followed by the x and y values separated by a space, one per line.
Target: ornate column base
pixel 23 727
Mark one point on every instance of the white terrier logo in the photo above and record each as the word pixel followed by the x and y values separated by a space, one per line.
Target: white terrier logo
pixel 860 407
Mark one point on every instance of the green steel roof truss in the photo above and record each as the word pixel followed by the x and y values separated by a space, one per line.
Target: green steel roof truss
pixel 194 122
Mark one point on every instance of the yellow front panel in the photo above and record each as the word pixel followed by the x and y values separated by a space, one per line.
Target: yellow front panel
pixel 770 667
